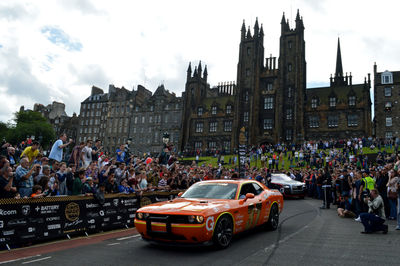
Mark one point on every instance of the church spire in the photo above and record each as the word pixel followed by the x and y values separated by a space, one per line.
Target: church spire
pixel 339 67
pixel 256 28
pixel 243 30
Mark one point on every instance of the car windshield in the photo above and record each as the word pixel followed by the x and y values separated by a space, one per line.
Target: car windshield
pixel 211 191
pixel 281 178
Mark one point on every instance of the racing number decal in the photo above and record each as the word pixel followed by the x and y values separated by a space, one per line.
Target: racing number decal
pixel 252 210
pixel 210 223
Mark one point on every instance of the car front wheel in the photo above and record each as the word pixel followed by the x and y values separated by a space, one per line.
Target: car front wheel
pixel 273 220
pixel 223 232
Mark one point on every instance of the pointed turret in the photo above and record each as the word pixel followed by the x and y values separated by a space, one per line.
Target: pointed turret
pixel 189 70
pixel 256 28
pixel 248 33
pixel 199 69
pixel 299 21
pixel 283 21
pixel 195 72
pixel 298 15
pixel 261 31
pixel 339 67
pixel 205 75
pixel 243 30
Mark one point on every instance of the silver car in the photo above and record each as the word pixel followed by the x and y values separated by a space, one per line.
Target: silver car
pixel 287 186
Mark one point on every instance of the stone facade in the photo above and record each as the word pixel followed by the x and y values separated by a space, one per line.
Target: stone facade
pixel 386 103
pixel 120 114
pixel 270 98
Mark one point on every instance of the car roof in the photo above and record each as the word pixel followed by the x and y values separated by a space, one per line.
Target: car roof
pixel 232 181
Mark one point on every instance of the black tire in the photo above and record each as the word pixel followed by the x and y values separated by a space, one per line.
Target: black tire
pixel 273 220
pixel 223 232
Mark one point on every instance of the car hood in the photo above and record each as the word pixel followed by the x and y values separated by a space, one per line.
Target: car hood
pixel 187 206
pixel 287 182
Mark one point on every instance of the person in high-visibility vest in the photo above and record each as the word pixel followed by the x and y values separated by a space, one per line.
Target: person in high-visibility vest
pixel 367 184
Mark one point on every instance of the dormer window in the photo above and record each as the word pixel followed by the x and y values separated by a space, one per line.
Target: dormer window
pixel 314 103
pixel 200 111
pixel 332 101
pixel 229 109
pixel 387 77
pixel 352 100
pixel 214 110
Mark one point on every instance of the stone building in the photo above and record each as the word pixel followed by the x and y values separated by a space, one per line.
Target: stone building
pixel 270 98
pixel 341 110
pixel 157 114
pixel 58 118
pixel 139 115
pixel 386 103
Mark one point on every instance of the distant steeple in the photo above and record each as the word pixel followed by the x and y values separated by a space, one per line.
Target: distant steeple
pixel 205 74
pixel 339 67
pixel 199 69
pixel 261 31
pixel 248 33
pixel 256 28
pixel 189 70
pixel 243 30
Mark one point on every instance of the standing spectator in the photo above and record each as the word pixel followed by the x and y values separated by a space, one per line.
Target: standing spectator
pixel 96 150
pixel 87 154
pixel 121 154
pixel 31 152
pixel 62 179
pixel 7 190
pixel 56 152
pixel 76 154
pixel 398 206
pixel 392 194
pixel 120 173
pixel 24 178
pixel 78 182
pixel 10 155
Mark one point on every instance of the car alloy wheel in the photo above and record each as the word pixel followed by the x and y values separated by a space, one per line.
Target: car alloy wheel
pixel 273 220
pixel 223 232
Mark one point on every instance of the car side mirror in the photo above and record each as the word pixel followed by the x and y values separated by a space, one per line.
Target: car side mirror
pixel 180 194
pixel 249 196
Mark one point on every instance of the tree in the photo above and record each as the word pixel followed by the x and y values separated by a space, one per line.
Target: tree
pixel 30 123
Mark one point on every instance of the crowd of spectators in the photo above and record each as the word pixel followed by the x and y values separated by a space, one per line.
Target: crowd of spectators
pixel 337 171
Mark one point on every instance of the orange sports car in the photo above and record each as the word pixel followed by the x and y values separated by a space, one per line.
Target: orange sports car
pixel 211 212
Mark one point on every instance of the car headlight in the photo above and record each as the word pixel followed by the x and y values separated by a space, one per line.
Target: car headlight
pixel 191 218
pixel 199 219
pixel 139 215
pixel 286 186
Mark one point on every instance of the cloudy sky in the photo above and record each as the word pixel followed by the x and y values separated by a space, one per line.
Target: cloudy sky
pixel 56 50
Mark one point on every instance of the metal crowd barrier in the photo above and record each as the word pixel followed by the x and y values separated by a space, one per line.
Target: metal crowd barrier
pixel 30 220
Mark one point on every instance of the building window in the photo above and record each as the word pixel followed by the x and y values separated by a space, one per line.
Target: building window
pixel 314 121
pixel 289 92
pixel 269 86
pixel 229 109
pixel 389 134
pixel 212 145
pixel 246 96
pixel 387 78
pixel 151 108
pixel 246 116
pixel 332 101
pixel 227 145
pixel 248 72
pixel 166 118
pixel 314 103
pixel 388 106
pixel 200 111
pixel 198 144
pixel 268 103
pixel 333 121
pixel 136 119
pixel 290 44
pixel 214 110
pixel 388 121
pixel 289 114
pixel 213 126
pixel 199 127
pixel 388 91
pixel 352 100
pixel 248 50
pixel 290 67
pixel 143 119
pixel 352 120
pixel 288 134
pixel 268 123
pixel 137 108
pixel 150 119
pixel 228 126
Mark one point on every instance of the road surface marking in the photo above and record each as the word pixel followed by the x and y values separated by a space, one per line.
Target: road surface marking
pixel 45 258
pixel 113 244
pixel 8 261
pixel 127 237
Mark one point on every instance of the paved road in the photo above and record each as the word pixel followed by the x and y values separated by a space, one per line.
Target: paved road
pixel 306 236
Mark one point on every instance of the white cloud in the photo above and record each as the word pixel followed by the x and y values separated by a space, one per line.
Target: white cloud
pixel 127 43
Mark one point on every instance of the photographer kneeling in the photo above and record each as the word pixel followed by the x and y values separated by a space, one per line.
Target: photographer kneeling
pixel 374 219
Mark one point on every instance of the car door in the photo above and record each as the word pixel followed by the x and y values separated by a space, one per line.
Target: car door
pixel 250 208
